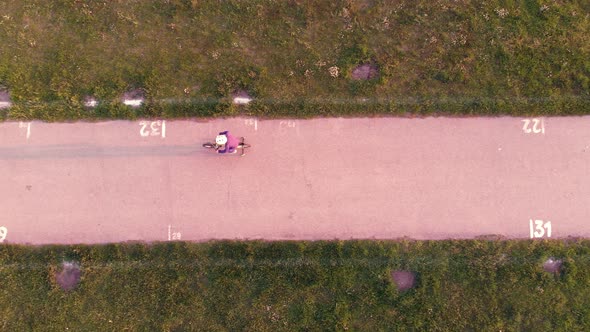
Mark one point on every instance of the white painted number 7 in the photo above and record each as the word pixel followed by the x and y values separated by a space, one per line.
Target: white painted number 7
pixel 538 229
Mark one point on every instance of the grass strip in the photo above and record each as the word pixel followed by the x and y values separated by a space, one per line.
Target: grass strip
pixel 296 59
pixel 476 285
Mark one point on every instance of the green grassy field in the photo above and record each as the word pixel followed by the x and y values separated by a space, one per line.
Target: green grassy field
pixel 296 58
pixel 299 286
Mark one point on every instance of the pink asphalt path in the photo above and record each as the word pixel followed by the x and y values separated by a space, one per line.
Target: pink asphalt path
pixel 383 178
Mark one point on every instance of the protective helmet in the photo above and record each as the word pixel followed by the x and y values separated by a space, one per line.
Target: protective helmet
pixel 221 139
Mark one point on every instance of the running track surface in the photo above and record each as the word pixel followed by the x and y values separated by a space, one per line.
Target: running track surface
pixel 369 178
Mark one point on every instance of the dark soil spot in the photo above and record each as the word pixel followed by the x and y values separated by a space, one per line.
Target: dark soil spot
pixel 404 280
pixel 552 265
pixel 365 71
pixel 4 97
pixel 69 276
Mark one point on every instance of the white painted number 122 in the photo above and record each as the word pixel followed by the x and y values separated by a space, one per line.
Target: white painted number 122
pixel 535 129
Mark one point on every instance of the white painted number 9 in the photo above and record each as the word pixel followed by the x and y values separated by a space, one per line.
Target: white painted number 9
pixel 3 233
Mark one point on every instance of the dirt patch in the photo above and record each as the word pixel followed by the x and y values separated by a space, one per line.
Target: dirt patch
pixel 134 97
pixel 4 97
pixel 552 265
pixel 69 276
pixel 192 89
pixel 404 280
pixel 365 71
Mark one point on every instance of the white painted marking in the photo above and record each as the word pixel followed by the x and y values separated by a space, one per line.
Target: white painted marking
pixel 91 103
pixel 539 231
pixel 169 232
pixel 536 122
pixel 525 128
pixel 539 228
pixel 242 100
pixel 154 127
pixel 142 131
pixel 26 125
pixel 252 122
pixel 133 102
pixel 535 129
pixel 288 124
pixel 3 233
pixel 5 104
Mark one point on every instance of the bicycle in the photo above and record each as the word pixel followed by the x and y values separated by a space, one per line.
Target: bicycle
pixel 241 145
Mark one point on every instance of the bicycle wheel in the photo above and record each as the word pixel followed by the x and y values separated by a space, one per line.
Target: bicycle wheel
pixel 209 145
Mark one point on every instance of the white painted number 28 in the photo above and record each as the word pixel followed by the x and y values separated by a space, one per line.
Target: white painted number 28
pixel 3 233
pixel 535 128
pixel 539 228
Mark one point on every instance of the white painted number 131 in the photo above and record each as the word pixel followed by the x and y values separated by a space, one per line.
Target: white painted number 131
pixel 538 228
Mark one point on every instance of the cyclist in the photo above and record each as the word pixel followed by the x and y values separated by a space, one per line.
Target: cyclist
pixel 227 141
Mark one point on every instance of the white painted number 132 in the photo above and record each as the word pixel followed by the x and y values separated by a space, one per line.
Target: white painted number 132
pixel 153 128
pixel 538 228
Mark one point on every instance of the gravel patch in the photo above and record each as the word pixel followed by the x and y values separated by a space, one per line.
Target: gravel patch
pixel 68 277
pixel 553 265
pixel 4 98
pixel 365 71
pixel 404 280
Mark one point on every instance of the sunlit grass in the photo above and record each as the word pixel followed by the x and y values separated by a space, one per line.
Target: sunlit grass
pixel 286 286
pixel 450 57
